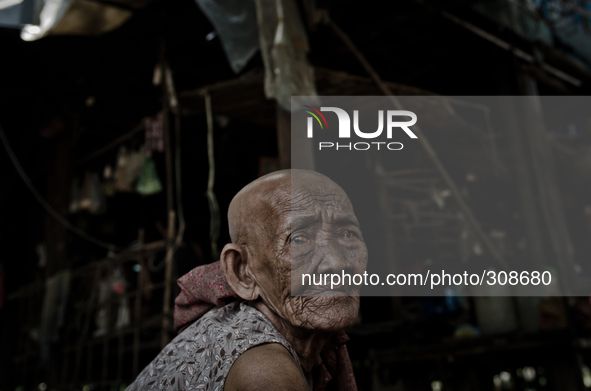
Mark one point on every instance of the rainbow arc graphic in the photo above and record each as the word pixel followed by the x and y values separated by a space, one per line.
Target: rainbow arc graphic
pixel 315 116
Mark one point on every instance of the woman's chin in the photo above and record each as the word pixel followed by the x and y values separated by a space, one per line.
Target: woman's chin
pixel 333 313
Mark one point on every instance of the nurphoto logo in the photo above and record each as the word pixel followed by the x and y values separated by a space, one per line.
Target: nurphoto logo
pixel 392 119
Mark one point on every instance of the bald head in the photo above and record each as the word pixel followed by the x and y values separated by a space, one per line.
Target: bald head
pixel 256 208
pixel 252 205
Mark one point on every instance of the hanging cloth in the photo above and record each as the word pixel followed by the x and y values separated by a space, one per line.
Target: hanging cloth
pixel 129 169
pixel 149 183
pixel 154 133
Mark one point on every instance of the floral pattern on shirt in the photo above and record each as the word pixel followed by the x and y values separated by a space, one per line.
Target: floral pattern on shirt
pixel 201 356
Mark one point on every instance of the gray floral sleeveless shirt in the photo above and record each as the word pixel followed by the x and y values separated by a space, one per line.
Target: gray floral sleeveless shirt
pixel 200 357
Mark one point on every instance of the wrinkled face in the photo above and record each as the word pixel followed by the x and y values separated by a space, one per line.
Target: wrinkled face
pixel 317 233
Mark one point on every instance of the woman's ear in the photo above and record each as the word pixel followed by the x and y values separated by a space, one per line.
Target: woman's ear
pixel 234 260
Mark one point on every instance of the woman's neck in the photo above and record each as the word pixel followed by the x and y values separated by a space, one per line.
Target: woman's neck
pixel 307 343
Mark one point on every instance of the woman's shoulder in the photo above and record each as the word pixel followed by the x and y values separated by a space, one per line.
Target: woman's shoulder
pixel 201 355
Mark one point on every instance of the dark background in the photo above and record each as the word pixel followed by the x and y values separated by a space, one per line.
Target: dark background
pixel 400 344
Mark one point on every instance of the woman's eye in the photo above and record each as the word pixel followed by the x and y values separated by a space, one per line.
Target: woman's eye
pixel 299 239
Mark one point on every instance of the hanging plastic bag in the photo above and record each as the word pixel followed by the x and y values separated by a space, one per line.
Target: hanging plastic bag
pixel 284 48
pixel 149 183
pixel 135 166
pixel 235 22
pixel 129 168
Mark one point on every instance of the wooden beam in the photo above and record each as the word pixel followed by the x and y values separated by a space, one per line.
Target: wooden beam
pixel 284 137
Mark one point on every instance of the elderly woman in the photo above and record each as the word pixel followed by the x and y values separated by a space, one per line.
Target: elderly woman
pixel 242 329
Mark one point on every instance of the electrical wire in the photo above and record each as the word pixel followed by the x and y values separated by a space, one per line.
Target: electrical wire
pixel 48 208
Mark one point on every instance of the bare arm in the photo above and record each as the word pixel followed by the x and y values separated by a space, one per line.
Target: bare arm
pixel 266 367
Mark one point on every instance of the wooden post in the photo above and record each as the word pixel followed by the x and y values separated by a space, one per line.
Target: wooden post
pixel 283 137
pixel 169 200
pixel 168 279
pixel 138 307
